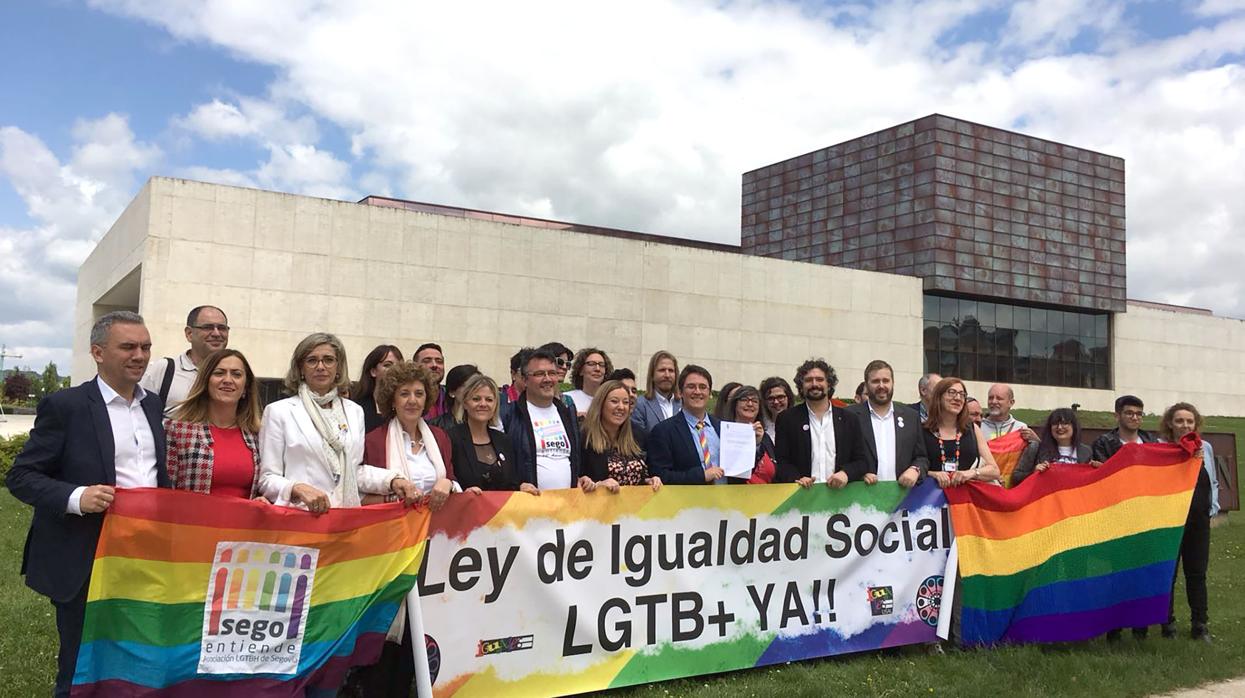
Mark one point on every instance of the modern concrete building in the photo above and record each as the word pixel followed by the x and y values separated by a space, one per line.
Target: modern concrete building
pixel 935 244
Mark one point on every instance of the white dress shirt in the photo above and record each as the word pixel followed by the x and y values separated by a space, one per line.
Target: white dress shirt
pixel 133 444
pixel 821 431
pixel 665 403
pixel 184 374
pixel 884 437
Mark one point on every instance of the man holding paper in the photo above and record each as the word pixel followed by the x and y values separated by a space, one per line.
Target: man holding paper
pixel 815 442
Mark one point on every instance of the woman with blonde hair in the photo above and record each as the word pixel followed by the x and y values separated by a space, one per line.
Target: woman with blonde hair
pixel 483 456
pixel 612 458
pixel 311 444
pixel 212 435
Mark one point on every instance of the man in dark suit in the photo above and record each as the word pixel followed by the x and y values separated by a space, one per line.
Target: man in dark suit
pixel 685 449
pixel 813 441
pixel 86 441
pixel 894 444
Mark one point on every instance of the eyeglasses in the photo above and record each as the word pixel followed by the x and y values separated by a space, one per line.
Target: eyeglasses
pixel 956 393
pixel 594 364
pixel 542 374
pixel 1134 415
pixel 327 361
pixel 776 398
pixel 696 387
pixel 212 327
pixel 751 400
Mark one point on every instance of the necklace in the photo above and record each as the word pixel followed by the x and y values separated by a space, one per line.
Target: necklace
pixel 942 451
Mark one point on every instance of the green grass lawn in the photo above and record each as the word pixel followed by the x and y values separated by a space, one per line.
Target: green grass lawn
pixel 1129 668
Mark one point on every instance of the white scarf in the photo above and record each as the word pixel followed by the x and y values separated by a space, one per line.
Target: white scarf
pixel 345 485
pixel 396 459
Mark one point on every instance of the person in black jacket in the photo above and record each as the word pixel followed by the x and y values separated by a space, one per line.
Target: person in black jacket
pixel 894 443
pixel 483 457
pixel 1060 442
pixel 1128 413
pixel 685 449
pixel 86 442
pixel 814 441
pixel 543 430
pixel 612 458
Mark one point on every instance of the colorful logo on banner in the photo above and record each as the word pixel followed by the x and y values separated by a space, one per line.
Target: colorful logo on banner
pixel 256 608
pixel 881 601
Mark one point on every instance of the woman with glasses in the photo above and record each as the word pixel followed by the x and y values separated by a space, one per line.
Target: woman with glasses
pixel 588 372
pixel 311 444
pixel 1060 443
pixel 957 449
pixel 745 407
pixel 776 396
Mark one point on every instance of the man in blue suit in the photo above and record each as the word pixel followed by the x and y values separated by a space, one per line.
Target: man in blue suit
pixel 86 442
pixel 685 449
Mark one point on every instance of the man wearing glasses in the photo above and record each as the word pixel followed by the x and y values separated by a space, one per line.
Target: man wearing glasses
pixel 543 430
pixel 1128 413
pixel 207 330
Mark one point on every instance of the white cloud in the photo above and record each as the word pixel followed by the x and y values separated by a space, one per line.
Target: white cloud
pixel 70 205
pixel 644 117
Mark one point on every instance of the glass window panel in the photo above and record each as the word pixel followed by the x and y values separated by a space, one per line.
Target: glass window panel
pixel 947 363
pixel 1023 347
pixel 1087 325
pixel 1037 320
pixel 1003 369
pixel 970 335
pixel 948 337
pixel 1100 326
pixel 1022 373
pixel 930 335
pixel 931 361
pixel 1003 316
pixel 931 308
pixel 1021 318
pixel 967 366
pixel 986 370
pixel 950 309
pixel 1101 376
pixel 968 309
pixel 985 313
pixel 1055 321
pixel 1037 371
pixel 1004 342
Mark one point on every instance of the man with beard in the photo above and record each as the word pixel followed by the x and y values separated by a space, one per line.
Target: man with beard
pixel 894 446
pixel 815 442
pixel 659 401
pixel 1000 400
pixel 430 356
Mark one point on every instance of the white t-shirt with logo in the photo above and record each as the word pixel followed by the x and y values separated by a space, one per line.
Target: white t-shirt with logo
pixel 553 448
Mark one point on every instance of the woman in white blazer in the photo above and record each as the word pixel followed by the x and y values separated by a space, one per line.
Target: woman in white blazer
pixel 311 444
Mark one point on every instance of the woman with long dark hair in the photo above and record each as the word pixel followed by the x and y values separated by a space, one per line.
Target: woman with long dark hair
pixel 377 362
pixel 745 407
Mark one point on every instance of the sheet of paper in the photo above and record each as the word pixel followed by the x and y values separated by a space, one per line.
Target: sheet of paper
pixel 739 448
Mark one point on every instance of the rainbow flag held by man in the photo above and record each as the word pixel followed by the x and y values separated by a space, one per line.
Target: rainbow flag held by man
pixel 1074 551
pixel 198 595
pixel 1006 450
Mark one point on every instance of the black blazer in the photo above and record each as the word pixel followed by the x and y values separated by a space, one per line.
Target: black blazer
pixel 70 446
pixel 793 445
pixel 909 441
pixel 673 455
pixel 470 472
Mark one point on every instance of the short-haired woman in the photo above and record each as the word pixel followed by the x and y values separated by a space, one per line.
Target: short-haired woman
pixel 213 434
pixel 483 457
pixel 377 362
pixel 406 443
pixel 612 458
pixel 311 444
pixel 588 372
pixel 1178 420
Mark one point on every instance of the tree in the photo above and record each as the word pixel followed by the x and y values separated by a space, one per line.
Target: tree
pixel 17 387
pixel 51 382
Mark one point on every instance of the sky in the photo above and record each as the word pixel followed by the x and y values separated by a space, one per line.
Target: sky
pixel 639 115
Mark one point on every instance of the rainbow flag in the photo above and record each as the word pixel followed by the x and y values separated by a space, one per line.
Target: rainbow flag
pixel 197 595
pixel 1006 450
pixel 1075 551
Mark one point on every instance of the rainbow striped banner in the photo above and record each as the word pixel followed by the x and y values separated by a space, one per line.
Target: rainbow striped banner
pixel 1007 450
pixel 1075 551
pixel 570 592
pixel 196 595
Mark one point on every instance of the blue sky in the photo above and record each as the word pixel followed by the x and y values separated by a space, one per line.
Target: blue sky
pixel 641 119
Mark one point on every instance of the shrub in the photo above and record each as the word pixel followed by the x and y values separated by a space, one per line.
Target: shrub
pixel 9 448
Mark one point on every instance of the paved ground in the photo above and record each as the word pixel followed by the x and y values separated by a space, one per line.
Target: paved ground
pixel 1235 687
pixel 11 424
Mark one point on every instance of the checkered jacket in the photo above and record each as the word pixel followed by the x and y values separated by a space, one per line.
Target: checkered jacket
pixel 190 456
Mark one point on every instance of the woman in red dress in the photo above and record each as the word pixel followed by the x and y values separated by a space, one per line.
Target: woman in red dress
pixel 211 436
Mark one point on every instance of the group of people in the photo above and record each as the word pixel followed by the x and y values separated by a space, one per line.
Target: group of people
pixel 417 432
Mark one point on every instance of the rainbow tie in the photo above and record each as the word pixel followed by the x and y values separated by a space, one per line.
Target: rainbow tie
pixel 704 444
